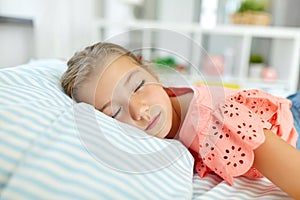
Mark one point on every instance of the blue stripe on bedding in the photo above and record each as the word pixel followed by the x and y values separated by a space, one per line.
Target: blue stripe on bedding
pixel 43 156
pixel 62 163
pixel 212 187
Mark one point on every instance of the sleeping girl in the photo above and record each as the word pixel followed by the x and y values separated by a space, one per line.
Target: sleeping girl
pixel 229 132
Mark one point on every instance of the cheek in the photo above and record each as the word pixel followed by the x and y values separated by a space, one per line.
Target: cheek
pixel 125 118
pixel 155 95
pixel 160 98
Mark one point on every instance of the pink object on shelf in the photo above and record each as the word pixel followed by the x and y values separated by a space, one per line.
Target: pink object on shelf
pixel 213 65
pixel 269 74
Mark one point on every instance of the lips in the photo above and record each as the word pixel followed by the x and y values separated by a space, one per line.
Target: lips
pixel 153 122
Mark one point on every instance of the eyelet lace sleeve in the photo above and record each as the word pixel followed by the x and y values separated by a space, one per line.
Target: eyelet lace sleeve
pixel 236 128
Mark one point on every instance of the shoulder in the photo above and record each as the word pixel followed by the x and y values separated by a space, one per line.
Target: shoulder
pixel 211 95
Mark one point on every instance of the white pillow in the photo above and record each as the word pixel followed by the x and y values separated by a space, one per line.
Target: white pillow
pixel 52 147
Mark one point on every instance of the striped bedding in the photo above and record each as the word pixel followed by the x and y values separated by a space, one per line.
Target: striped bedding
pixel 212 188
pixel 54 148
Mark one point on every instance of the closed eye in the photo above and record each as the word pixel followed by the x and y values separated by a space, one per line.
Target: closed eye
pixel 140 85
pixel 117 113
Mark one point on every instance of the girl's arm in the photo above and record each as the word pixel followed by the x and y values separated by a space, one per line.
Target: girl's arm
pixel 280 163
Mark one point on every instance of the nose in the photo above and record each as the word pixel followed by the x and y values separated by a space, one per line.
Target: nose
pixel 138 109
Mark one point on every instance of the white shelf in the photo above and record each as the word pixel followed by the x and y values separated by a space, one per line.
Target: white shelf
pixel 284 52
pixel 255 31
pixel 235 30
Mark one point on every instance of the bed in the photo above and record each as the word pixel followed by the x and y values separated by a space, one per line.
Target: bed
pixel 50 148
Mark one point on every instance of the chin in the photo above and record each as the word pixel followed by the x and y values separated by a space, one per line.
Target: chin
pixel 164 131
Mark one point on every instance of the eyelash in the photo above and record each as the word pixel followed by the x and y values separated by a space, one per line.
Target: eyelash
pixel 116 114
pixel 136 89
pixel 139 86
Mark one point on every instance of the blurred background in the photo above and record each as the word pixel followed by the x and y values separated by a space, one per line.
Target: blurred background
pixel 250 43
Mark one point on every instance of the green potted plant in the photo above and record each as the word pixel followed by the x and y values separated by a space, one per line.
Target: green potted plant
pixel 251 5
pixel 256 65
pixel 256 58
pixel 252 12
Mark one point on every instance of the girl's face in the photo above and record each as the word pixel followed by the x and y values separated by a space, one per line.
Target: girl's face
pixel 130 94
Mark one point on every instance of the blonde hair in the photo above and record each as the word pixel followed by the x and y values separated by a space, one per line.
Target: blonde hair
pixel 83 64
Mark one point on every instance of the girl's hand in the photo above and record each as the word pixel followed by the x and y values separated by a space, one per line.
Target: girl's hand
pixel 280 163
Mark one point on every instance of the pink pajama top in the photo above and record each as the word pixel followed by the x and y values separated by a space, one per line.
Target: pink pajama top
pixel 222 127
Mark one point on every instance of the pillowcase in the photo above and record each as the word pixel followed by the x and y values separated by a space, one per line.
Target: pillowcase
pixel 52 147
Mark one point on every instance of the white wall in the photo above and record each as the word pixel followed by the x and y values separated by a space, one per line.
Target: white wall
pixel 175 11
pixel 17 8
pixel 63 26
pixel 16 44
pixel 17 41
pixel 60 26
